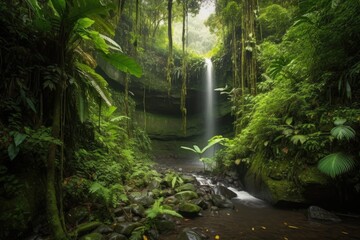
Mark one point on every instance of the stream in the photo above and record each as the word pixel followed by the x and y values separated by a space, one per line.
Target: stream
pixel 253 218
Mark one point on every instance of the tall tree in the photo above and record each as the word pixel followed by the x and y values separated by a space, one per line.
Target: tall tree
pixel 248 45
pixel 170 62
pixel 184 66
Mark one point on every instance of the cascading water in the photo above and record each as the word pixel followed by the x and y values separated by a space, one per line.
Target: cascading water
pixel 209 100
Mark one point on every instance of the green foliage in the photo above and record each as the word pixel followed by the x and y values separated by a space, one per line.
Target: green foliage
pixel 111 196
pixel 336 164
pixel 158 209
pixel 341 131
pixel 200 152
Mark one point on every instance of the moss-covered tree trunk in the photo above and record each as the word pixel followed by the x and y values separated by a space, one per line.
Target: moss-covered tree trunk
pixel 248 45
pixel 184 69
pixel 52 208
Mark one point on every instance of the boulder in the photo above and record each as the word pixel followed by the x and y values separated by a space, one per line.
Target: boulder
pixel 85 228
pixel 104 229
pixel 164 226
pixel 142 198
pixel 222 190
pixel 189 209
pixel 221 202
pixel 188 234
pixel 117 236
pixel 93 236
pixel 77 214
pixel 186 195
pixel 126 228
pixel 317 213
pixel 138 210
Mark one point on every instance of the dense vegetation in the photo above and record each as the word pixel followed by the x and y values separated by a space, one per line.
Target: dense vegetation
pixel 69 139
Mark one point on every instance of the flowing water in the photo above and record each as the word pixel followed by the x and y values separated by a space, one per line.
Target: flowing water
pixel 209 100
pixel 253 219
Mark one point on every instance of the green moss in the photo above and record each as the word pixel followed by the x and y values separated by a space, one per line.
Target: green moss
pixel 312 175
pixel 284 190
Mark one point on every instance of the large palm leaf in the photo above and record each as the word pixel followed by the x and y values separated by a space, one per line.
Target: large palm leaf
pixel 335 164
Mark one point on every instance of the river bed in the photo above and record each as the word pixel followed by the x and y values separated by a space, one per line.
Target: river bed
pixel 253 219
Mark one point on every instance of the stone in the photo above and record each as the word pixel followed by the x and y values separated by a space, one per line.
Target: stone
pixel 154 185
pixel 117 236
pixel 188 234
pixel 221 202
pixel 85 228
pixel 222 190
pixel 186 195
pixel 188 179
pixel 317 213
pixel 201 203
pixel 189 209
pixel 164 226
pixel 93 236
pixel 186 187
pixel 104 229
pixel 77 214
pixel 142 198
pixel 126 228
pixel 171 200
pixel 138 210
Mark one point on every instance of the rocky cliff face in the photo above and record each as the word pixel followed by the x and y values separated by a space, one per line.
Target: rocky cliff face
pixel 158 112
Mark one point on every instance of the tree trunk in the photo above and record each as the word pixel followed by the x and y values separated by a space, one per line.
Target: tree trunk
pixel 170 62
pixel 248 43
pixel 184 70
pixel 51 199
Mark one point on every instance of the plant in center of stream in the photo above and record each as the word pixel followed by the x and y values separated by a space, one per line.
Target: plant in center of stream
pixel 196 149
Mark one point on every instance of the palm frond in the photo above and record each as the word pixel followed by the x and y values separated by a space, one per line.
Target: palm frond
pixel 123 63
pixel 96 81
pixel 335 164
pixel 341 132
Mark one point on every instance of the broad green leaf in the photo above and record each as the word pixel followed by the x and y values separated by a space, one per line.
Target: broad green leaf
pixel 19 138
pixel 30 104
pixel 123 63
pixel 173 182
pixel 13 151
pixel 111 43
pixel 336 164
pixel 84 23
pixel 289 121
pixel 339 121
pixel 298 138
pixel 59 6
pixel 197 149
pixel 190 149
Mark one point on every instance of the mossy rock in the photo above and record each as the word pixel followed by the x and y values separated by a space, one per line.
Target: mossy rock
pixel 85 228
pixel 312 175
pixel 186 195
pixel 284 191
pixel 93 236
pixel 189 209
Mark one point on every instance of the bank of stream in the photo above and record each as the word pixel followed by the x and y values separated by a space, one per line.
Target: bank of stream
pixel 252 218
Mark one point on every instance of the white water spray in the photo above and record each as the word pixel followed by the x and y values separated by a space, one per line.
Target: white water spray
pixel 209 100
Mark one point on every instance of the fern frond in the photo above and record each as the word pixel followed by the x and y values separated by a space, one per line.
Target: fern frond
pixel 336 164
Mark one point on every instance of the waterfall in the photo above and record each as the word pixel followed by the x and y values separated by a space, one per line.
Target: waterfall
pixel 209 100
